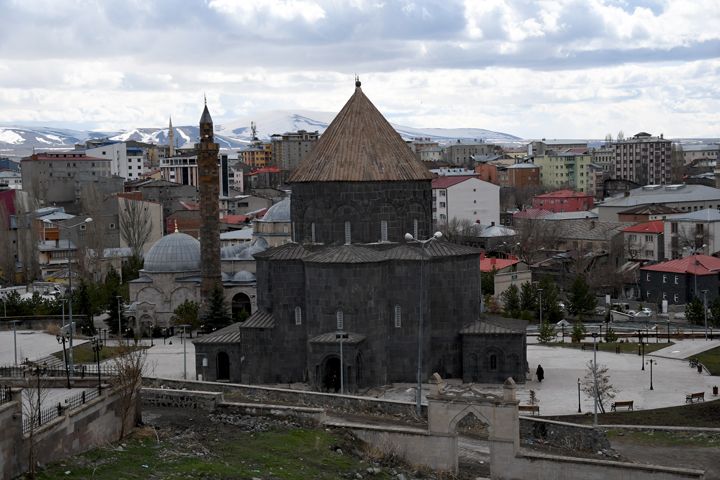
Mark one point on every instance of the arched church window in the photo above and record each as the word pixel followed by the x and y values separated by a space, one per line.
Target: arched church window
pixel 415 228
pixel 298 316
pixel 383 231
pixel 398 316
pixel 312 233
pixel 339 317
pixel 348 231
pixel 493 362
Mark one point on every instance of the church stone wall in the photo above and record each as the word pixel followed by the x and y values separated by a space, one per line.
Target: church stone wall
pixel 509 350
pixel 329 205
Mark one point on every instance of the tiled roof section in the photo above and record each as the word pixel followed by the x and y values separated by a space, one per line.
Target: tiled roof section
pixel 229 334
pixel 360 146
pixel 646 227
pixel 591 230
pixel 447 181
pixel 651 209
pixel 562 194
pixel 495 326
pixel 331 337
pixel 366 253
pixel 664 194
pixel 705 215
pixel 259 319
pixel 694 265
pixel 489 264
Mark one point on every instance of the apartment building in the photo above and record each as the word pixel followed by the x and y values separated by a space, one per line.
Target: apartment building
pixel 465 198
pixel 643 159
pixel 126 161
pixel 290 147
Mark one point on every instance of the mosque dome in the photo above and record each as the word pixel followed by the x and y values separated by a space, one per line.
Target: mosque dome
pixel 280 212
pixel 177 252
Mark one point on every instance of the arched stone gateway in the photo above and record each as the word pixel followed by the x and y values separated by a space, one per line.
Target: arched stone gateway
pixel 331 374
pixel 241 302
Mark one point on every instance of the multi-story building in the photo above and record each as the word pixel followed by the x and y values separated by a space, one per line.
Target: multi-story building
pixel 507 172
pixel 10 179
pixel 685 198
pixel 679 281
pixel 465 198
pixel 700 151
pixel 693 232
pixel 257 155
pixel 127 161
pixel 644 241
pixel 59 177
pixel 180 169
pixel 463 152
pixel 425 149
pixel 563 201
pixel 643 159
pixel 605 157
pixel 542 147
pixel 566 169
pixel 290 147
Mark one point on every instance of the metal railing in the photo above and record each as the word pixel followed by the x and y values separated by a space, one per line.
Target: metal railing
pixel 5 394
pixel 37 419
pixel 12 371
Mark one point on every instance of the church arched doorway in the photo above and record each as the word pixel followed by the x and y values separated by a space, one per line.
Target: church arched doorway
pixel 331 375
pixel 223 366
pixel 241 307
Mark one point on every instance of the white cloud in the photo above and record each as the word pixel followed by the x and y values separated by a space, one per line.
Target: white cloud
pixel 246 12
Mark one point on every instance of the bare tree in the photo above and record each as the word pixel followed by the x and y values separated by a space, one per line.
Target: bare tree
pixel 455 230
pixel 135 225
pixel 34 395
pixel 597 374
pixel 535 235
pixel 7 250
pixel 129 365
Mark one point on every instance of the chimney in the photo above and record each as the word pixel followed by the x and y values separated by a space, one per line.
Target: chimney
pixel 492 224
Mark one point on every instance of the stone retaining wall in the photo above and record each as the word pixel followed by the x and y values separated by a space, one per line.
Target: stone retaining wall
pixel 273 395
pixel 566 436
pixel 166 397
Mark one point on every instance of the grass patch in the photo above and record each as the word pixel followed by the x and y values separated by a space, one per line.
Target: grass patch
pixel 706 414
pixel 711 360
pixel 289 455
pixel 659 438
pixel 84 354
pixel 625 347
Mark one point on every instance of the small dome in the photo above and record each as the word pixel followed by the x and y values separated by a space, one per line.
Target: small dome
pixel 244 251
pixel 243 277
pixel 280 212
pixel 177 252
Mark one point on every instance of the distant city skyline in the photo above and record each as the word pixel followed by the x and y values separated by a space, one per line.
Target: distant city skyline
pixel 553 69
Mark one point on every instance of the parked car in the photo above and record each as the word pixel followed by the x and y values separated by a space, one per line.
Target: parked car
pixel 645 312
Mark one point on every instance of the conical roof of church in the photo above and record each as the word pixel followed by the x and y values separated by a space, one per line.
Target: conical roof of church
pixel 206 118
pixel 360 146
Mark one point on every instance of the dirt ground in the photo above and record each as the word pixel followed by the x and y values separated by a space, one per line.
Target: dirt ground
pixel 703 458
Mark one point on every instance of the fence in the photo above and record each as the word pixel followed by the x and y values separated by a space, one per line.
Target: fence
pixel 37 419
pixel 5 394
pixel 81 371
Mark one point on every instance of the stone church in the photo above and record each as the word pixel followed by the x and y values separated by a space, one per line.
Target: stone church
pixel 350 282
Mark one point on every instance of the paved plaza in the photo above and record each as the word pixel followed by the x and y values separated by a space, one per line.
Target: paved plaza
pixel 672 376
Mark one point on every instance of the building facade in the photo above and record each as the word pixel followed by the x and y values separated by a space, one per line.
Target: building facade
pixel 645 241
pixel 679 281
pixel 290 147
pixel 644 159
pixel 564 201
pixel 566 169
pixel 126 161
pixel 692 233
pixel 465 198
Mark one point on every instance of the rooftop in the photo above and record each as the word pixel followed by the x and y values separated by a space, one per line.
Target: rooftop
pixel 563 194
pixel 651 209
pixel 656 226
pixel 705 215
pixel 693 265
pixel 663 194
pixel 488 264
pixel 450 180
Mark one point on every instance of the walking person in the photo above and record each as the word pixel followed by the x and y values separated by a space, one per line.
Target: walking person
pixel 540 373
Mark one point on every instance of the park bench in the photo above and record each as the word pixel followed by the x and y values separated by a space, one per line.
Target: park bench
pixel 532 409
pixel 692 397
pixel 620 404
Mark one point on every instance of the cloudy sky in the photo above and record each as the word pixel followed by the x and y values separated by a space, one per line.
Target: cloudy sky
pixel 546 68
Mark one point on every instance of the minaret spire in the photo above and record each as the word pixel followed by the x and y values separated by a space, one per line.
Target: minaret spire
pixel 171 140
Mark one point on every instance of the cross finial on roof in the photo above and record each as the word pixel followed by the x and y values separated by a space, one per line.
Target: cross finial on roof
pixel 205 98
pixel 357 81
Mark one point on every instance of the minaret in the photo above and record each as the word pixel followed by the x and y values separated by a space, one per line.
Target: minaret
pixel 171 140
pixel 207 159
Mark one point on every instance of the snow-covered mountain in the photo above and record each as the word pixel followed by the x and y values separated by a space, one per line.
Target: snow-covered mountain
pixel 20 141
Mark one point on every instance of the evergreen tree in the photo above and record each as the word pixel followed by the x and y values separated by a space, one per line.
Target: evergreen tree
pixel 187 314
pixel 552 312
pixel 511 301
pixel 610 335
pixel 581 301
pixel 578 332
pixel 714 314
pixel 488 282
pixel 528 297
pixel 694 311
pixel 215 314
pixel 546 333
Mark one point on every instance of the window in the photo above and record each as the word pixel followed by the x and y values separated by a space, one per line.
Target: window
pixel 647 277
pixel 112 226
pixel 648 295
pixel 398 316
pixel 633 238
pixel 649 238
pixel 298 316
pixel 673 227
pixel 415 228
pixel 383 231
pixel 676 279
pixel 339 318
pixel 648 253
pixel 442 193
pixel 493 362
pixel 348 232
pixel 664 296
pixel 675 298
pixel 442 204
pixel 664 278
pixel 83 227
pixel 312 233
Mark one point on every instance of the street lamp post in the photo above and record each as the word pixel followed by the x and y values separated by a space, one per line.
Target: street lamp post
pixel 182 339
pixel 15 322
pixel 61 339
pixel 118 297
pixel 540 290
pixel 642 350
pixel 38 370
pixel 668 330
pixel 69 270
pixel 704 292
pixel 595 387
pixel 578 383
pixel 97 345
pixel 423 243
pixel 651 362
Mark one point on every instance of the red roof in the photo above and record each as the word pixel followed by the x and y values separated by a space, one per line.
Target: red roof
pixel 489 263
pixel 63 157
pixel 235 219
pixel 655 226
pixel 265 170
pixel 450 180
pixel 532 213
pixel 693 265
pixel 563 194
